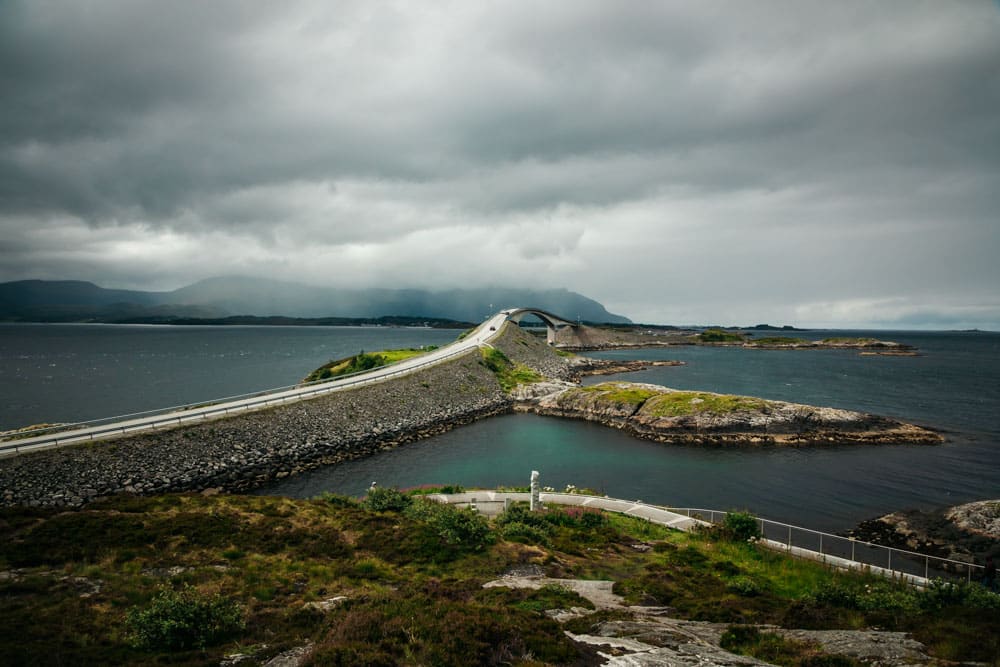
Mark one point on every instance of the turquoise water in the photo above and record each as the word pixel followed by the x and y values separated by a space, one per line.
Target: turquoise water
pixel 955 386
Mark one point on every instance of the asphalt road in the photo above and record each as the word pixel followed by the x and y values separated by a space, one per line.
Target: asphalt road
pixel 481 335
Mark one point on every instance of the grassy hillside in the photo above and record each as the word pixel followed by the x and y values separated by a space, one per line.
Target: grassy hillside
pixel 186 580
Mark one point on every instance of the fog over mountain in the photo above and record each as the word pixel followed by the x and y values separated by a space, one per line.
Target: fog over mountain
pixel 805 162
pixel 236 295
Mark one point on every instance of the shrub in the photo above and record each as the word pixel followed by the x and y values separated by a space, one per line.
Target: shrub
pixel 456 526
pixel 941 594
pixel 184 619
pixel 744 586
pixel 741 526
pixel 386 499
pixel 515 531
pixel 875 597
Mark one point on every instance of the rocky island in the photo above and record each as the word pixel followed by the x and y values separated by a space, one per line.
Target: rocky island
pixel 586 338
pixel 704 418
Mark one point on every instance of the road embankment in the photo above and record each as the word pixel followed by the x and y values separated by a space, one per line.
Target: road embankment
pixel 245 451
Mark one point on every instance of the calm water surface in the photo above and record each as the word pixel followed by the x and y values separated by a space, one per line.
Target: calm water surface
pixel 954 386
pixel 75 372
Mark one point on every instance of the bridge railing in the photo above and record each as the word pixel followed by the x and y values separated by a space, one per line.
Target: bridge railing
pixel 890 559
pixel 141 421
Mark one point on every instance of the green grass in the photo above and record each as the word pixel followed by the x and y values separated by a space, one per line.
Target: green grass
pixel 682 403
pixel 612 392
pixel 508 373
pixel 413 582
pixel 719 336
pixel 364 361
pixel 779 340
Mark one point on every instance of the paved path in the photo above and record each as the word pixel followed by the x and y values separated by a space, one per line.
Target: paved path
pixel 493 502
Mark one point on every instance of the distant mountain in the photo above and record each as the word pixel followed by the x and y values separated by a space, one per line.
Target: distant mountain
pixel 47 301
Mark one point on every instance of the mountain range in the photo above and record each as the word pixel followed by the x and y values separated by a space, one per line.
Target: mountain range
pixel 73 300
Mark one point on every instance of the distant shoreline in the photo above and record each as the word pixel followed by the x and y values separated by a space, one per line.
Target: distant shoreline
pixel 278 321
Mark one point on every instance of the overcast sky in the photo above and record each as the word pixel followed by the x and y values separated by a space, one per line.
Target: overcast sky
pixel 812 163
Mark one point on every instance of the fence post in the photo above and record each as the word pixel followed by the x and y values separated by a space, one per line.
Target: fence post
pixel 821 543
pixel 890 560
pixel 927 567
pixel 789 538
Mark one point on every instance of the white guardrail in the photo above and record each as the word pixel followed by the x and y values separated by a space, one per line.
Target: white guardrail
pixel 894 561
pixel 65 434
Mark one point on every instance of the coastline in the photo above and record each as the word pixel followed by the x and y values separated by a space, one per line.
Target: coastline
pixel 243 452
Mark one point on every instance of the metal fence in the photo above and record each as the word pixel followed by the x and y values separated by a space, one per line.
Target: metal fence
pixel 890 559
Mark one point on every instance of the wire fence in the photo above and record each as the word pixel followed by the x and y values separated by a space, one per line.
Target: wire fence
pixel 890 559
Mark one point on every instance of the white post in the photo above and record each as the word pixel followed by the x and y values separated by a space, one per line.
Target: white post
pixel 535 500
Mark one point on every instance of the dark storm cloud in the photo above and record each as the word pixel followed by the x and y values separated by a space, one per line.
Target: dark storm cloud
pixel 854 144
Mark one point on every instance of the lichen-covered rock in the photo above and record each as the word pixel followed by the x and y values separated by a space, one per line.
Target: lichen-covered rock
pixel 697 417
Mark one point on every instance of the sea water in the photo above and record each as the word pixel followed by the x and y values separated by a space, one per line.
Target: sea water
pixel 953 386
pixel 61 373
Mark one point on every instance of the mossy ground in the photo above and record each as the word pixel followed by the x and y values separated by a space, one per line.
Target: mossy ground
pixel 680 403
pixel 621 394
pixel 663 403
pixel 411 596
pixel 508 373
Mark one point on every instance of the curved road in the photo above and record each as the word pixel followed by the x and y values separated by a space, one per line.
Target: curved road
pixel 479 336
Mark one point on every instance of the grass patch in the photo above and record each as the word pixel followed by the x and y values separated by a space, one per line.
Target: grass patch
pixel 720 336
pixel 779 341
pixel 508 374
pixel 682 403
pixel 364 361
pixel 612 392
pixel 772 648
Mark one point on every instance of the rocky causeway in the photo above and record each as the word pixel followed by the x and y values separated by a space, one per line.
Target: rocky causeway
pixel 238 453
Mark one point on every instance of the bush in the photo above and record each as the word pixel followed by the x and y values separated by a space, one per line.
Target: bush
pixel 184 619
pixel 456 526
pixel 744 586
pixel 515 531
pixel 941 594
pixel 386 499
pixel 741 526
pixel 875 597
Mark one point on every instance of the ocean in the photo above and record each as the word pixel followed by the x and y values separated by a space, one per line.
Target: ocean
pixel 61 373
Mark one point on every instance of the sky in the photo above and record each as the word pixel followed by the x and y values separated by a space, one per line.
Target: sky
pixel 799 162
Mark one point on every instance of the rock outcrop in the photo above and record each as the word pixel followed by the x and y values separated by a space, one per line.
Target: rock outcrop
pixel 967 533
pixel 703 418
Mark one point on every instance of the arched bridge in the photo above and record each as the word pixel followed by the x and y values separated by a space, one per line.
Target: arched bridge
pixel 186 414
pixel 552 321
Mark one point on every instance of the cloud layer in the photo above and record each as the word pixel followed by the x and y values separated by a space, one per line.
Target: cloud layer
pixel 796 162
